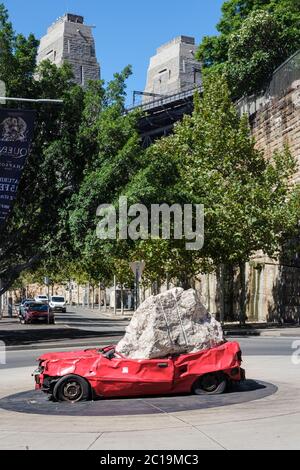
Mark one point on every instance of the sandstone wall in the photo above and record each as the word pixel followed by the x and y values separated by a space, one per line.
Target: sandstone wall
pixel 278 123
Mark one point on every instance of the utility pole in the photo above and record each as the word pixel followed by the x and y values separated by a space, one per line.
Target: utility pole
pixel 137 288
pixel 47 283
pixel 138 269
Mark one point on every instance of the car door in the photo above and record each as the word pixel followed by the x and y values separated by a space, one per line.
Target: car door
pixel 155 376
pixel 127 377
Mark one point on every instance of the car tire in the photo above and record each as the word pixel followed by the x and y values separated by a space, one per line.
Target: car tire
pixel 72 389
pixel 210 384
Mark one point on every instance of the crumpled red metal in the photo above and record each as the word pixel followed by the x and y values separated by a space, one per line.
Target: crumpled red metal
pixel 120 376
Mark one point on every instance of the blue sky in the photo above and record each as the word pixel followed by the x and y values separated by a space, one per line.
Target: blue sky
pixel 127 32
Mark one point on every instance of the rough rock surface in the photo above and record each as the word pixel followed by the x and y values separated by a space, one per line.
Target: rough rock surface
pixel 173 322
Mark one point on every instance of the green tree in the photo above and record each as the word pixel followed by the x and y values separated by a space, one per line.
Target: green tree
pixel 246 197
pixel 115 157
pixel 17 58
pixel 255 37
pixel 249 204
pixel 254 52
pixel 36 229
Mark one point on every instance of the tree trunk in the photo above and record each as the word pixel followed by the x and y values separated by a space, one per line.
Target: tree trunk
pixel 99 306
pixel 122 299
pixel 222 293
pixel 243 298
pixel 185 281
pixel 105 298
pixel 88 295
pixel 10 275
pixel 115 295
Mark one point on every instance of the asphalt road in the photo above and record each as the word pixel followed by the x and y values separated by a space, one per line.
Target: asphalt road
pixel 251 346
pixel 245 420
pixel 96 330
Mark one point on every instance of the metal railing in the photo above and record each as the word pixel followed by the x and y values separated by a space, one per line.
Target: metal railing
pixel 157 102
pixel 287 75
pixel 284 77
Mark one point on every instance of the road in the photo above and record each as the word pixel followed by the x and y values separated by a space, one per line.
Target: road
pixel 253 346
pixel 93 329
pixel 265 422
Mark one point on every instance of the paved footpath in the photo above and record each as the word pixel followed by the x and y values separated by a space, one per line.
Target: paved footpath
pixel 269 423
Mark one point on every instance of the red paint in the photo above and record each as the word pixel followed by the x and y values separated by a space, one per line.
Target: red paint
pixel 33 314
pixel 121 376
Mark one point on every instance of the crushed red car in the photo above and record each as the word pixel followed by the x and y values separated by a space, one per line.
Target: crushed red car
pixel 83 375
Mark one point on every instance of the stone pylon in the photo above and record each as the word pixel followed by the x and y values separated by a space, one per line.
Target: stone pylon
pixel 70 40
pixel 174 68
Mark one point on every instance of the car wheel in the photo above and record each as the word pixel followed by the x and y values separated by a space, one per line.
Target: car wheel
pixel 72 389
pixel 210 384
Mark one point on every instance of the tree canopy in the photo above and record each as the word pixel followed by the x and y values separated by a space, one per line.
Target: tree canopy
pixel 210 159
pixel 87 152
pixel 37 231
pixel 255 37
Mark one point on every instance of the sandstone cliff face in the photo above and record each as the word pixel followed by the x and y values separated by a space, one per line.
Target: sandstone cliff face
pixel 174 322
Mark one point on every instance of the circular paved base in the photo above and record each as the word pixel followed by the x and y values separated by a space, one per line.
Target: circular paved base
pixel 35 402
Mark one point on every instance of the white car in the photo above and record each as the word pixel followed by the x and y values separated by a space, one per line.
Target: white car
pixel 58 303
pixel 42 299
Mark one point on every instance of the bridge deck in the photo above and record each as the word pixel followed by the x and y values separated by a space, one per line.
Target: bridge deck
pixel 161 114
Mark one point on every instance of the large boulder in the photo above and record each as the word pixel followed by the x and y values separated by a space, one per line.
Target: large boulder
pixel 173 322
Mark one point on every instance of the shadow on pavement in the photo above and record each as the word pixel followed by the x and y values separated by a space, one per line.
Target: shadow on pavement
pixel 47 334
pixel 34 402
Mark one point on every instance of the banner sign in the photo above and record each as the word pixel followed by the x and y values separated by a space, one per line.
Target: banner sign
pixel 16 133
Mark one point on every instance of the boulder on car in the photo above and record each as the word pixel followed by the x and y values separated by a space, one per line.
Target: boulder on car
pixel 174 322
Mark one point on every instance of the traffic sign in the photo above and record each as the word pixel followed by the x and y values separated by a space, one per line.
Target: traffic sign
pixel 138 268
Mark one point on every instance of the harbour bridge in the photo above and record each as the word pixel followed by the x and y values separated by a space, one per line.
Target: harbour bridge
pixel 161 113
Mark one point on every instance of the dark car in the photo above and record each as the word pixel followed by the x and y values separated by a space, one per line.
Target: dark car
pixel 82 375
pixel 36 312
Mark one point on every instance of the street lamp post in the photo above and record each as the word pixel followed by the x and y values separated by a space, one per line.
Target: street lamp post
pixel 47 283
pixel 138 269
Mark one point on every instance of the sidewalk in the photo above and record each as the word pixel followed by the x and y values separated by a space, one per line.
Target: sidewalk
pixel 267 423
pixel 230 328
pixel 108 313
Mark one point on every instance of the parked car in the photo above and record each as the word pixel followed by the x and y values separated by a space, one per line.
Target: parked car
pixel 82 375
pixel 23 303
pixel 41 299
pixel 58 303
pixel 36 312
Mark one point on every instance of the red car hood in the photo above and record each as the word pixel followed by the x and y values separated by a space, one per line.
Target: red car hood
pixel 80 354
